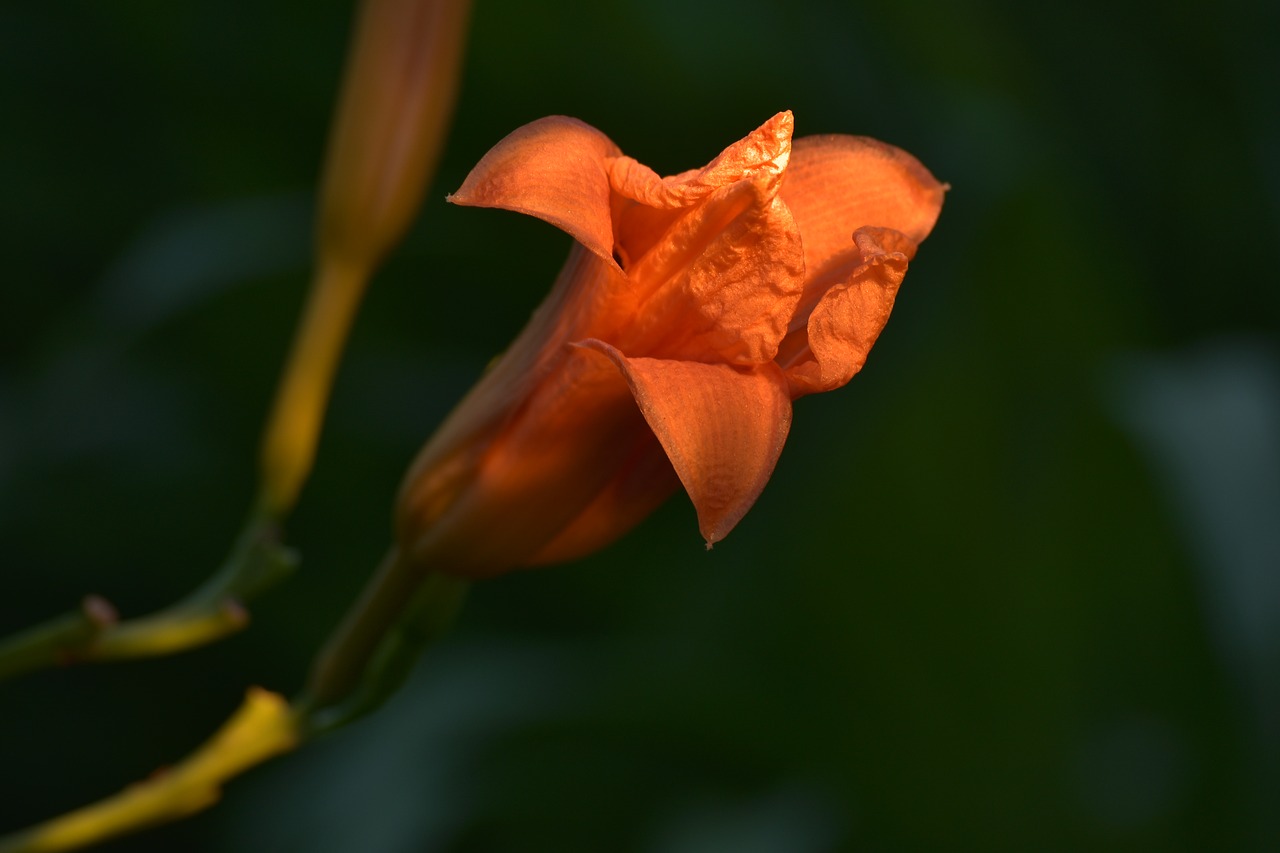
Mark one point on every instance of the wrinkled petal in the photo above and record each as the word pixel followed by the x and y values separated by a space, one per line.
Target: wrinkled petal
pixel 849 317
pixel 761 156
pixel 837 184
pixel 650 206
pixel 722 285
pixel 691 312
pixel 556 169
pixel 722 428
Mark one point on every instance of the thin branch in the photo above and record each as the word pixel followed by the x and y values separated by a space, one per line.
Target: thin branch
pixel 263 727
pixel 256 563
pixel 58 640
pixel 428 615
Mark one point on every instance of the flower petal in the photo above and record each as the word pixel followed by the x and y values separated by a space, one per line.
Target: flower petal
pixel 721 286
pixel 722 427
pixel 482 505
pixel 837 184
pixel 759 156
pixel 640 485
pixel 850 315
pixel 652 205
pixel 556 169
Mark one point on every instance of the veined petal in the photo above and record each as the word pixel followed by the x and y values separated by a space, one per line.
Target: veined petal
pixel 722 428
pixel 556 169
pixel 850 315
pixel 760 156
pixel 651 205
pixel 721 286
pixel 691 312
pixel 837 184
pixel 763 152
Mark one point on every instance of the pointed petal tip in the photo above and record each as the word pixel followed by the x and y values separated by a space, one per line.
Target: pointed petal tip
pixel 722 427
pixel 847 320
pixel 716 528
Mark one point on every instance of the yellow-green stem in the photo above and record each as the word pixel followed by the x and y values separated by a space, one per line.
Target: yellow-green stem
pixel 368 658
pixel 263 727
pixel 257 562
pixel 57 641
pixel 293 431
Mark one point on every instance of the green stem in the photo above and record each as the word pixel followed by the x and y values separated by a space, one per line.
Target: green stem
pixel 263 727
pixel 293 429
pixel 344 658
pixel 355 679
pixel 216 609
pixel 57 640
pixel 426 617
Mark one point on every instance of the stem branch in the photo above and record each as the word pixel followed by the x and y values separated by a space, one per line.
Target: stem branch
pixel 257 562
pixel 369 657
pixel 263 727
pixel 293 430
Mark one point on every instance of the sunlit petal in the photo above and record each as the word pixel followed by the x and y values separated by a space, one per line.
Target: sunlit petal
pixel 761 156
pixel 691 313
pixel 853 310
pixel 722 285
pixel 647 206
pixel 722 427
pixel 837 184
pixel 556 169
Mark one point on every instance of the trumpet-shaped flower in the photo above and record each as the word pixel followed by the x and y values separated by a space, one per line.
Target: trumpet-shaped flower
pixel 692 310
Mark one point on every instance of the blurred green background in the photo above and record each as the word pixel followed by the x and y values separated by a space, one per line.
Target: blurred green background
pixel 1017 587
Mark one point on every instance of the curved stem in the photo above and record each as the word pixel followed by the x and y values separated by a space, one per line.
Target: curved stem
pixel 214 610
pixel 336 697
pixel 57 640
pixel 293 430
pixel 367 660
pixel 264 726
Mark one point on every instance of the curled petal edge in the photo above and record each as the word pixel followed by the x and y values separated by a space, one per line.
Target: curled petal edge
pixel 722 427
pixel 849 317
pixel 835 184
pixel 557 169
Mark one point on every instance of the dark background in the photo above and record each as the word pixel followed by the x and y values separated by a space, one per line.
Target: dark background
pixel 1016 587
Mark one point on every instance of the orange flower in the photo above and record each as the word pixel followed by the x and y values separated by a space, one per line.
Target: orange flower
pixel 691 312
